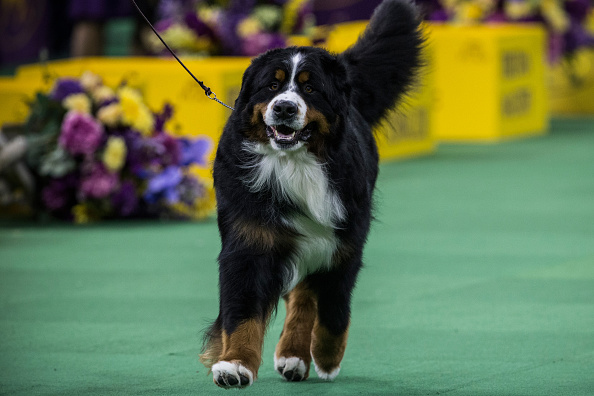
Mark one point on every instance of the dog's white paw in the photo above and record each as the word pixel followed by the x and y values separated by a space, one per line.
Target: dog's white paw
pixel 292 369
pixel 231 375
pixel 324 375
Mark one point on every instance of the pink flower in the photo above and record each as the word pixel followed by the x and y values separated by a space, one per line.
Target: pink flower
pixel 81 134
pixel 97 182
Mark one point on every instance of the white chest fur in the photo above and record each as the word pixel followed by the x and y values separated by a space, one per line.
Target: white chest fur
pixel 298 177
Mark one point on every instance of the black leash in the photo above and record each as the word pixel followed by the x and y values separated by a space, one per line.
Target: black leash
pixel 207 91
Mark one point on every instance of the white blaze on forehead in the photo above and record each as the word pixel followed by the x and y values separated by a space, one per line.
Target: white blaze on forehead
pixel 298 122
pixel 295 61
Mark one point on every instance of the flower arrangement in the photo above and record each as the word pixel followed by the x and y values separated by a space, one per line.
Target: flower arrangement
pixel 565 20
pixel 101 153
pixel 232 27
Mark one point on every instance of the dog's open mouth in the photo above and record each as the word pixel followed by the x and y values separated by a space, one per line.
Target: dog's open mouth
pixel 285 136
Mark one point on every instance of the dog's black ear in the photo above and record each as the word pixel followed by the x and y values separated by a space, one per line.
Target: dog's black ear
pixel 246 88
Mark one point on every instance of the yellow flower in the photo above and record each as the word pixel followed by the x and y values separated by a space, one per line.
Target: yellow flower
pixel 517 9
pixel 134 111
pixel 248 27
pixel 180 36
pixel 102 93
pixel 469 12
pixel 90 80
pixel 210 15
pixel 110 115
pixel 291 12
pixel 114 155
pixel 77 102
pixel 81 213
pixel 201 208
pixel 554 14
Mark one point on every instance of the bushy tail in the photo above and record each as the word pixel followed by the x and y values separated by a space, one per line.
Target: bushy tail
pixel 383 63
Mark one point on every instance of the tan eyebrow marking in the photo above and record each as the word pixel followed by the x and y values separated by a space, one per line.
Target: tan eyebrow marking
pixel 303 77
pixel 280 75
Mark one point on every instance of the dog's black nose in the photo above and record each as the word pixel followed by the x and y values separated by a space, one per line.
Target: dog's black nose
pixel 285 109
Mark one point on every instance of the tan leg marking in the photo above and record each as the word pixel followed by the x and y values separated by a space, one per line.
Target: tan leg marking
pixel 212 351
pixel 327 350
pixel 295 340
pixel 244 345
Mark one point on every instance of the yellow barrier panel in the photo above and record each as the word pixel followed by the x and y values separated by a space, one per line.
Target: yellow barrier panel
pixel 489 81
pixel 14 96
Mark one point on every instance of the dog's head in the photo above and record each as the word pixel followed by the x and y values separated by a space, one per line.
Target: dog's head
pixel 293 97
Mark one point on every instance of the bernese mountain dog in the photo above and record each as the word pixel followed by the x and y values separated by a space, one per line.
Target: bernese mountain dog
pixel 294 175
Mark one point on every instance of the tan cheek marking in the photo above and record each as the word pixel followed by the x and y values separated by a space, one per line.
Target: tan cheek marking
pixel 244 345
pixel 303 77
pixel 314 115
pixel 280 75
pixel 327 348
pixel 258 130
pixel 295 339
pixel 258 114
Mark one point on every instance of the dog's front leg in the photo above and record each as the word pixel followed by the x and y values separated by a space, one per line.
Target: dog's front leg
pixel 248 294
pixel 292 356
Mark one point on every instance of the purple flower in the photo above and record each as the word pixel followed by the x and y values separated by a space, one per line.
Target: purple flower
pixel 164 186
pixel 304 14
pixel 164 116
pixel 197 25
pixel 59 193
pixel 98 182
pixel 125 200
pixel 228 33
pixel 164 24
pixel 80 134
pixel 577 37
pixel 65 87
pixel 189 190
pixel 238 6
pixel 194 151
pixel 175 8
pixel 155 153
pixel 577 10
pixel 261 42
pixel 168 149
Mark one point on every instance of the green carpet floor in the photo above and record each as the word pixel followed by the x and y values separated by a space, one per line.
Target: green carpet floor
pixel 479 280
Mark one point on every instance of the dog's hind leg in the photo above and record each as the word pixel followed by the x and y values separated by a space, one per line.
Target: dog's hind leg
pixel 292 355
pixel 241 355
pixel 327 350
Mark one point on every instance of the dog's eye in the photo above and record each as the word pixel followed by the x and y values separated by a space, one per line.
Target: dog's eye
pixel 274 86
pixel 308 88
